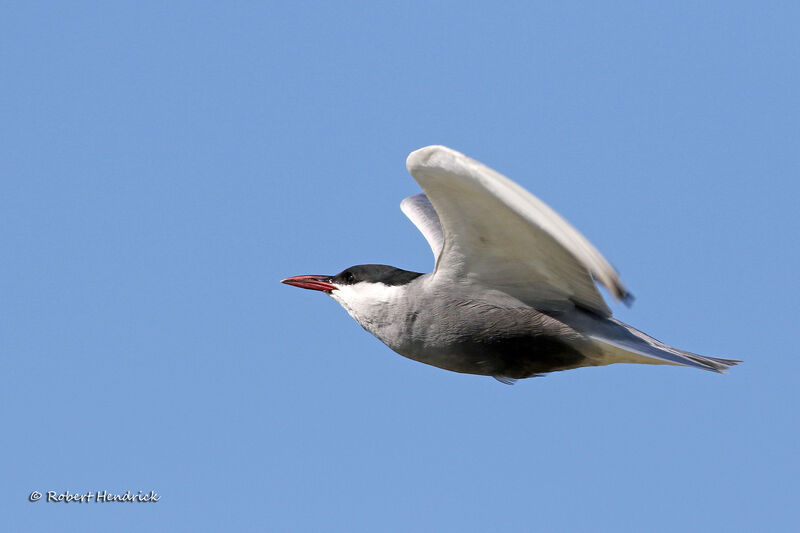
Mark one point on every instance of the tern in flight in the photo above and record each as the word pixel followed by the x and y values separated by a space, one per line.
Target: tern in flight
pixel 512 294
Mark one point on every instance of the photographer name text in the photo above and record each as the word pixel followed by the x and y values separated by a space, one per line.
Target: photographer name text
pixel 99 496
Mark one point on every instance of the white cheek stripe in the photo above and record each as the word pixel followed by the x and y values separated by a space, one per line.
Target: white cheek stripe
pixel 364 300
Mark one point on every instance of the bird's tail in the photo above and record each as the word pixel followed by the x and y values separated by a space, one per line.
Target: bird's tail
pixel 627 344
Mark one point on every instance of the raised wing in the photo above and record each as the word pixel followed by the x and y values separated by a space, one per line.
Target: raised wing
pixel 419 209
pixel 498 234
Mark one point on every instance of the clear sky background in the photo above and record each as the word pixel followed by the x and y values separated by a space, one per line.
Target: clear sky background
pixel 164 165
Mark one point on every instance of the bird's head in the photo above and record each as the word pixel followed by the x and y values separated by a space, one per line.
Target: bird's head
pixel 359 288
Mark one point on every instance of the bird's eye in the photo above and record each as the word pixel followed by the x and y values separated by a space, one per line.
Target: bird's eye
pixel 349 277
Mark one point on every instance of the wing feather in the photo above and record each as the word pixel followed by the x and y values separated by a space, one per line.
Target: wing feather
pixel 420 211
pixel 497 233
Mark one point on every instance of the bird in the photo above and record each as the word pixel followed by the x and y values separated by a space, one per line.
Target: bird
pixel 513 293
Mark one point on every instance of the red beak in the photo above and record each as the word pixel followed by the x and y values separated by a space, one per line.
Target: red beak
pixel 315 283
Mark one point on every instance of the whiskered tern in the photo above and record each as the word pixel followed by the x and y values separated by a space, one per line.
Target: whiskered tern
pixel 513 292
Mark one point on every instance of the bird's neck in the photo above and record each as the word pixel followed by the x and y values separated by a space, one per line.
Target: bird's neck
pixel 380 309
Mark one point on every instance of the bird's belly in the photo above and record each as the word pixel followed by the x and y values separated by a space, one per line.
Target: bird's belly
pixel 476 337
pixel 519 356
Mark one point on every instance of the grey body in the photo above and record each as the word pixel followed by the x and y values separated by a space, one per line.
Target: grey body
pixel 509 342
pixel 488 334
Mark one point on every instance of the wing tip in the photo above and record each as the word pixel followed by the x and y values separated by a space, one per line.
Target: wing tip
pixel 425 157
pixel 408 202
pixel 626 297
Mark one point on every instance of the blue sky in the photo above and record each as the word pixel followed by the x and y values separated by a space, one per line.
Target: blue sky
pixel 163 166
